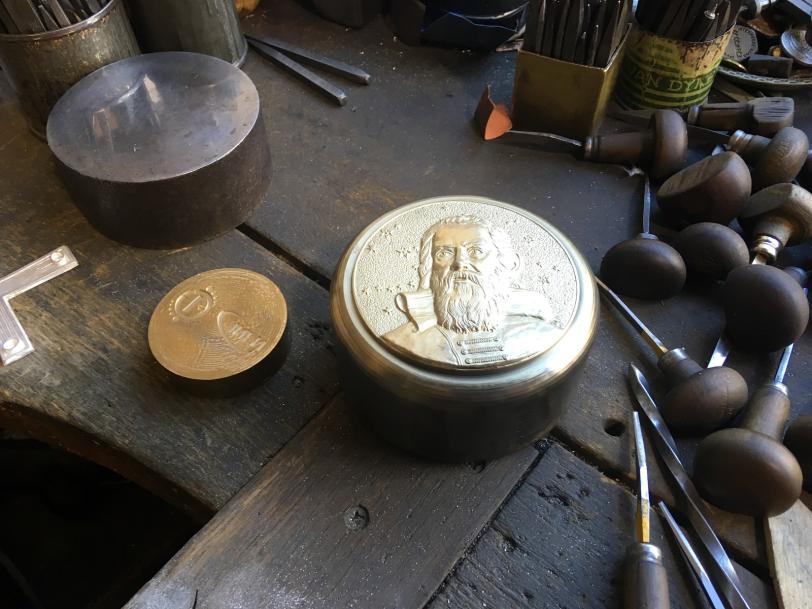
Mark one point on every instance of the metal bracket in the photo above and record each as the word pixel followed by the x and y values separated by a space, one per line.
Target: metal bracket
pixel 14 342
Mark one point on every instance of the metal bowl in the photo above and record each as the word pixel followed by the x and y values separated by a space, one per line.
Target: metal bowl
pixel 162 150
pixel 464 323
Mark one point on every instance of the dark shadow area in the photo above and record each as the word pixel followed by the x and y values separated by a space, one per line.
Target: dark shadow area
pixel 74 535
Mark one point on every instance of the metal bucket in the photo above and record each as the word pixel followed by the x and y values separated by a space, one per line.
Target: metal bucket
pixel 200 26
pixel 41 67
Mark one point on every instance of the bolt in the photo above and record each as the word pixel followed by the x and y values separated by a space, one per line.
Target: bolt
pixel 10 344
pixel 57 256
pixel 356 518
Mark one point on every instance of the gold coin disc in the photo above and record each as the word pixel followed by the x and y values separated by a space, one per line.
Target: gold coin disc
pixel 217 324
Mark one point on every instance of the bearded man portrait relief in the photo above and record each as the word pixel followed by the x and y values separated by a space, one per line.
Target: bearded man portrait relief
pixel 467 311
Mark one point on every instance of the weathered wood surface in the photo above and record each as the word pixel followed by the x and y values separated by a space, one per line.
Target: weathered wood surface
pixel 92 384
pixel 406 136
pixel 409 136
pixel 789 540
pixel 285 539
pixel 560 541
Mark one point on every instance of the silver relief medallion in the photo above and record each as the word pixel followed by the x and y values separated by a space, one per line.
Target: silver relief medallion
pixel 465 283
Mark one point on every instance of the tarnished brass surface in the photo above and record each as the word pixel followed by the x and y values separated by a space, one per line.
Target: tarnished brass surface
pixel 217 324
pixel 565 98
pixel 463 323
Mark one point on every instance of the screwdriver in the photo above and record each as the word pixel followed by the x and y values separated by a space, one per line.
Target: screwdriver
pixel 645 578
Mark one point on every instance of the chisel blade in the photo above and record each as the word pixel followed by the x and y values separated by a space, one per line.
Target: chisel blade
pixel 720 567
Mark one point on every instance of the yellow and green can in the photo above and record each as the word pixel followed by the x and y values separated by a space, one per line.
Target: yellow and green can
pixel 659 72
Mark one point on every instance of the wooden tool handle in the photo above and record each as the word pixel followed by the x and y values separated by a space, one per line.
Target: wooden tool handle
pixel 646 583
pixel 724 117
pixel 621 148
pixel 768 411
pixel 677 366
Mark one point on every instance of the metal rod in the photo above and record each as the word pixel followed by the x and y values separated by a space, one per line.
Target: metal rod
pixel 329 89
pixel 643 498
pixel 332 65
pixel 648 336
pixel 722 571
pixel 691 557
pixel 720 353
pixel 783 363
pixel 646 205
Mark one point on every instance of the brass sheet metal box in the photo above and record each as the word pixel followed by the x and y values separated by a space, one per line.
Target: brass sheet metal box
pixel 562 97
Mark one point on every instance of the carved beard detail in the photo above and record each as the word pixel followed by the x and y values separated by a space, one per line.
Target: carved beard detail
pixel 476 305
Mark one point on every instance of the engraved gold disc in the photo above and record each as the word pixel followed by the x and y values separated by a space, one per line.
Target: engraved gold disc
pixel 217 324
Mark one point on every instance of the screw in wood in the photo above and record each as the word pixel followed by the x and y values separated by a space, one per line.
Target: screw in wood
pixel 356 517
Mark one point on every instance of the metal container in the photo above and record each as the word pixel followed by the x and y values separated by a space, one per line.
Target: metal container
pixel 464 323
pixel 210 27
pixel 575 106
pixel 163 150
pixel 41 67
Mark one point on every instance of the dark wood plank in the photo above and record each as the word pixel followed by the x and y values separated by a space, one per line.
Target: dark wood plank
pixel 283 541
pixel 92 385
pixel 560 542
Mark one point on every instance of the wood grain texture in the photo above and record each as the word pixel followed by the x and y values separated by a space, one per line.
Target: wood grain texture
pixel 409 135
pixel 789 539
pixel 560 542
pixel 92 385
pixel 283 540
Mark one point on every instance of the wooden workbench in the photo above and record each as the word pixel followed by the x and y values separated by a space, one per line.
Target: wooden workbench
pixel 546 527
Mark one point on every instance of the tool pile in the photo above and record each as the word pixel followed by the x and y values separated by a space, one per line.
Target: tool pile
pixel 689 20
pixel 36 16
pixel 586 32
pixel 765 308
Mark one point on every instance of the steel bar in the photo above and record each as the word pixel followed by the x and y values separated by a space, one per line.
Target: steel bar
pixel 651 339
pixel 561 28
pixel 783 363
pixel 331 65
pixel 720 353
pixel 59 13
pixel 646 205
pixel 25 16
pixel 297 69
pixel 691 557
pixel 47 18
pixel 6 21
pixel 643 497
